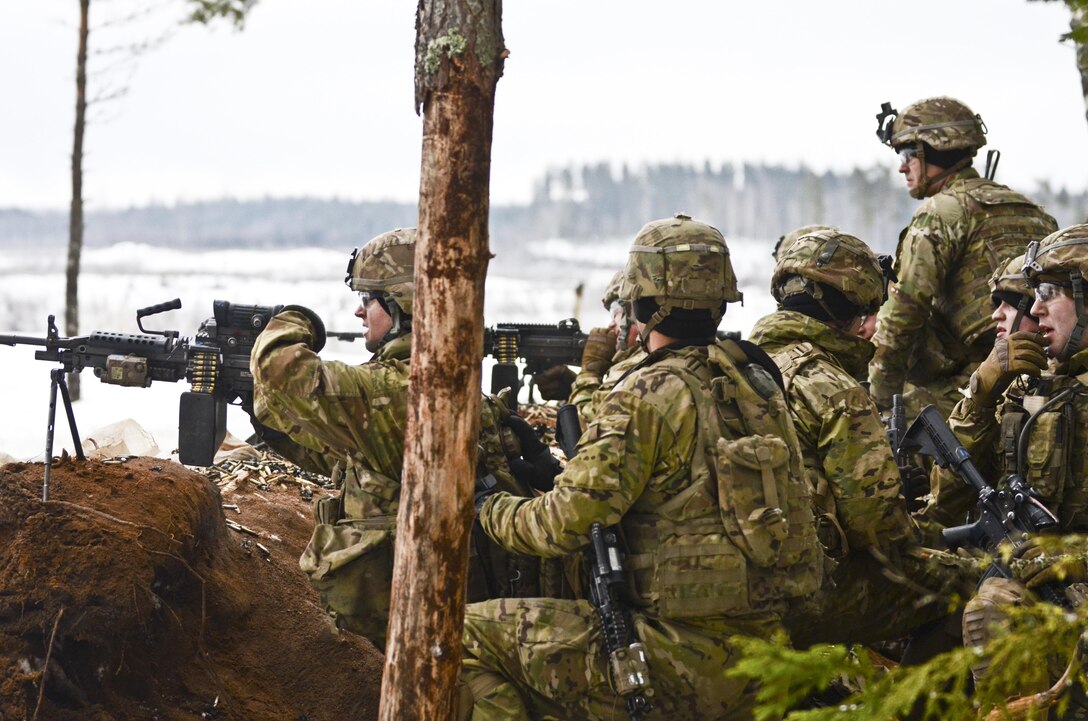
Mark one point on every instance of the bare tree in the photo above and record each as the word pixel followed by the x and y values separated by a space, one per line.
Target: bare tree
pixel 459 59
pixel 75 213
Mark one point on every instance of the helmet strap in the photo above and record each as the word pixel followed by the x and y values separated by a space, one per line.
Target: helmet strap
pixel 925 182
pixel 659 315
pixel 1021 310
pixel 402 324
pixel 1073 345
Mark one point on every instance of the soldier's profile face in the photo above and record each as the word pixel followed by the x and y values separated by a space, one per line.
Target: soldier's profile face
pixel 912 170
pixel 1004 314
pixel 1057 318
pixel 376 320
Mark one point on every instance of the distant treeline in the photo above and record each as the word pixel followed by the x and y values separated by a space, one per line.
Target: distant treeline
pixel 576 203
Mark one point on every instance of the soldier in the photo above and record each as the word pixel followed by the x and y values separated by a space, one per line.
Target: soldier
pixel 358 413
pixel 609 353
pixel 935 329
pixel 1022 417
pixel 693 457
pixel 829 285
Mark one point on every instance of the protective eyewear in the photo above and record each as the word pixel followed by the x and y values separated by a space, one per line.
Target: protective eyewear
pixel 906 155
pixel 1046 292
pixel 365 296
pixel 619 312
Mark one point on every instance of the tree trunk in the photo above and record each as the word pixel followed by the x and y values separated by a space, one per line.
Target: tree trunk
pixel 75 214
pixel 459 59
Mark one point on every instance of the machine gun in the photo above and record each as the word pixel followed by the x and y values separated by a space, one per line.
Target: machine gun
pixel 1006 515
pixel 540 345
pixel 215 363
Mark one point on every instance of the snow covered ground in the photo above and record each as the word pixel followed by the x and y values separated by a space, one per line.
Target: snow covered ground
pixel 117 280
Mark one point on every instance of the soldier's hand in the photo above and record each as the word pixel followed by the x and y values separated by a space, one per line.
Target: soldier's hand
pixel 1020 353
pixel 317 326
pixel 555 384
pixel 536 466
pixel 1034 566
pixel 600 348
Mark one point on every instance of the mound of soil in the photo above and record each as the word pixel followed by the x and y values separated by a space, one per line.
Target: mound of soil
pixel 127 596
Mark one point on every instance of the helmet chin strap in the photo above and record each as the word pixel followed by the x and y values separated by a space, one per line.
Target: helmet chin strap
pixel 402 324
pixel 659 315
pixel 921 190
pixel 1073 344
pixel 1021 310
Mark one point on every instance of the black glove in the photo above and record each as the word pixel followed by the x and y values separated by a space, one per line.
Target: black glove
pixel 555 384
pixel 915 485
pixel 317 327
pixel 536 466
pixel 486 487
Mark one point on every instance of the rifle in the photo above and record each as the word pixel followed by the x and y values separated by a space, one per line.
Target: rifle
pixel 344 335
pixel 540 345
pixel 1008 515
pixel 215 363
pixel 628 665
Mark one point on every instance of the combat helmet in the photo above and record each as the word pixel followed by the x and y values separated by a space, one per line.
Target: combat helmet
pixel 941 124
pixel 1061 258
pixel 1008 284
pixel 785 241
pixel 612 292
pixel 679 263
pixel 829 258
pixel 385 268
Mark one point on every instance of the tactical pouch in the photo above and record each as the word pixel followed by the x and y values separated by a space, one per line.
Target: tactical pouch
pixel 752 488
pixel 350 563
pixel 1046 457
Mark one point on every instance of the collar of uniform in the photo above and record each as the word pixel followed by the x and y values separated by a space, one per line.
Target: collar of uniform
pixel 786 326
pixel 968 173
pixel 396 349
pixel 1075 366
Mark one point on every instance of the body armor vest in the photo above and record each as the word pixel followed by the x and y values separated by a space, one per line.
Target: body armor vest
pixel 740 539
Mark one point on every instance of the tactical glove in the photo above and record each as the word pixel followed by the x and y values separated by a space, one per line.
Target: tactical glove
pixel 1020 353
pixel 555 384
pixel 599 350
pixel 1034 565
pixel 536 466
pixel 317 327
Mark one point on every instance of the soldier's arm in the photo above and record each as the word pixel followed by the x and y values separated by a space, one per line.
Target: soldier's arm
pixel 857 463
pixel 618 455
pixel 585 385
pixel 925 255
pixel 324 406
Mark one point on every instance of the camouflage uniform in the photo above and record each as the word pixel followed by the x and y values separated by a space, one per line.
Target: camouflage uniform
pixel 651 462
pixel 847 457
pixel 357 414
pixel 935 327
pixel 1053 411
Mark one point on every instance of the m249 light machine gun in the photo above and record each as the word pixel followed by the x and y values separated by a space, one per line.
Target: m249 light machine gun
pixel 215 362
pixel 540 345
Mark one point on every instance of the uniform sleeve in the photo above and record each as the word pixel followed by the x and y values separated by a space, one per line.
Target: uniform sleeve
pixel 617 456
pixel 585 385
pixel 976 427
pixel 323 406
pixel 856 463
pixel 926 252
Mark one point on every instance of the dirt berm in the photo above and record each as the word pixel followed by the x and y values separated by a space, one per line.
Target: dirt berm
pixel 127 597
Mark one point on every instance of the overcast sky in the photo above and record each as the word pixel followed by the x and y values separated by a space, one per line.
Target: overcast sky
pixel 315 97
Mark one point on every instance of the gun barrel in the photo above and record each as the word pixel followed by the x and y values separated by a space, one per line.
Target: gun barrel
pixel 14 340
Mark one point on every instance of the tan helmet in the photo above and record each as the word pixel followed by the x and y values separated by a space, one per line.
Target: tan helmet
pixel 681 264
pixel 943 123
pixel 786 240
pixel 386 264
pixel 1008 284
pixel 835 259
pixel 1061 258
pixel 612 292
